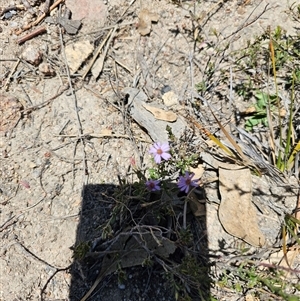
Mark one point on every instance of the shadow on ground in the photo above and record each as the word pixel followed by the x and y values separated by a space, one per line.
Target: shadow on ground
pixel 143 256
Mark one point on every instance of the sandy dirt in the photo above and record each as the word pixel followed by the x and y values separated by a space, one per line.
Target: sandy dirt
pixel 63 150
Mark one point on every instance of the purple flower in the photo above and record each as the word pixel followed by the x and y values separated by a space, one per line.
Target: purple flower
pixel 153 185
pixel 159 151
pixel 185 182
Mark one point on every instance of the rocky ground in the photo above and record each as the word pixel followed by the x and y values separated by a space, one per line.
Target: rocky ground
pixel 68 136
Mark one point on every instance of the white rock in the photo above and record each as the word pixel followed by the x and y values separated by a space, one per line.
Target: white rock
pixel 170 99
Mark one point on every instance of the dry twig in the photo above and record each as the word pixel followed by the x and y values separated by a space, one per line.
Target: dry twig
pixel 79 126
pixel 108 37
pixel 10 74
pixel 43 104
pixel 32 34
pixel 14 7
pixel 14 218
pixel 40 18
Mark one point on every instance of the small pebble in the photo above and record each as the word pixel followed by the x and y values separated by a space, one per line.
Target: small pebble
pixel 165 89
pixel 170 99
pixel 32 55
pixel 121 286
pixel 46 69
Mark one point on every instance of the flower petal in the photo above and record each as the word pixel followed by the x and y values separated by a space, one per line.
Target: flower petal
pixel 153 185
pixel 166 156
pixel 157 158
pixel 165 147
pixel 152 150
